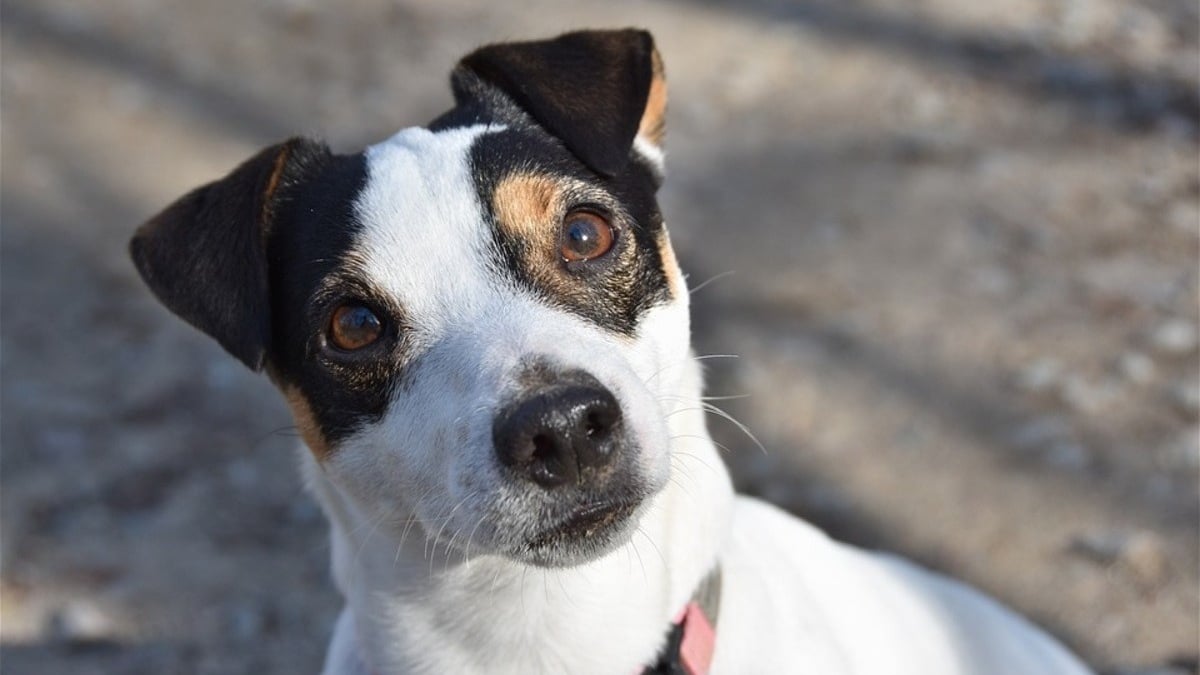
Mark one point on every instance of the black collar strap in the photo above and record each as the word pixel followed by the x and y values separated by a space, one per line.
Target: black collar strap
pixel 689 646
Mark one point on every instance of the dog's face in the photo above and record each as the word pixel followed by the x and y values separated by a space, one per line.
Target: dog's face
pixel 479 323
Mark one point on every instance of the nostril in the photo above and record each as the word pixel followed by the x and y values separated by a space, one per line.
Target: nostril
pixel 593 426
pixel 544 447
pixel 598 424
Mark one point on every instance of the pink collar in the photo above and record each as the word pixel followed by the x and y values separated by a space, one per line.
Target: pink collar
pixel 693 634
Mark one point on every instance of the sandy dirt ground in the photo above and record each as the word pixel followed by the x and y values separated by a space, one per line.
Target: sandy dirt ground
pixel 953 244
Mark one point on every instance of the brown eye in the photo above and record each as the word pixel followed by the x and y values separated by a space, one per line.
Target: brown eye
pixel 354 327
pixel 585 236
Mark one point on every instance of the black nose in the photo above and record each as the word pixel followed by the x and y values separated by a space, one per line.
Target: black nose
pixel 564 433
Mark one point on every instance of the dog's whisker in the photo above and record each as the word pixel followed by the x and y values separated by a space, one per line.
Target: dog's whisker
pixel 698 459
pixel 636 552
pixel 710 408
pixel 673 364
pixel 674 481
pixel 705 357
pixel 680 471
pixel 412 520
pixel 432 551
pixel 281 431
pixel 706 282
pixel 363 545
pixel 676 364
pixel 524 573
pixel 450 549
pixel 696 399
pixel 450 544
pixel 467 552
pixel 566 595
pixel 654 546
pixel 703 439
pixel 495 580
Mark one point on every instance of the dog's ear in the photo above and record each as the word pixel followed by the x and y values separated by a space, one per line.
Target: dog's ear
pixel 595 90
pixel 205 255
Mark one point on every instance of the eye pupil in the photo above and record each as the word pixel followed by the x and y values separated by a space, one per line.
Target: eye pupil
pixel 585 236
pixel 354 327
pixel 582 235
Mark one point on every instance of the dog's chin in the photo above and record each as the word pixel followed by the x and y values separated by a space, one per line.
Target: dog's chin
pixel 586 534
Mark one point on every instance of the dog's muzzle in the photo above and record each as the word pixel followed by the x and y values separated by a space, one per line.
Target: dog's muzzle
pixel 566 432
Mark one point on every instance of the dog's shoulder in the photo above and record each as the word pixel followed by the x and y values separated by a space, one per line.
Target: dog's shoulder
pixel 824 606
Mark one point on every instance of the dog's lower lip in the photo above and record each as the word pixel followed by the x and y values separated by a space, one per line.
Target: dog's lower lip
pixel 586 521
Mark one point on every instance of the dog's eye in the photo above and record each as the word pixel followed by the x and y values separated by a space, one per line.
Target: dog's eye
pixel 354 327
pixel 585 236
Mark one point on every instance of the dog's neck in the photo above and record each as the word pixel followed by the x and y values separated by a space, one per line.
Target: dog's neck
pixel 411 601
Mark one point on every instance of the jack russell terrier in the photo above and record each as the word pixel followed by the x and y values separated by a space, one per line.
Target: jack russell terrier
pixel 482 332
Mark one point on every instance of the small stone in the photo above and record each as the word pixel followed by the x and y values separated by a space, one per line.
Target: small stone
pixel 1175 337
pixel 1184 217
pixel 63 442
pixel 247 621
pixel 1087 397
pixel 129 97
pixel 1144 555
pixel 1136 367
pixel 1186 399
pixel 1183 451
pixel 1068 455
pixel 1040 376
pixel 1158 487
pixel 992 281
pixel 1041 432
pixel 828 232
pixel 1101 547
pixel 80 622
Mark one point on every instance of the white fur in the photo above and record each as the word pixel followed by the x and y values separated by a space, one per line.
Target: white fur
pixel 407 498
pixel 653 153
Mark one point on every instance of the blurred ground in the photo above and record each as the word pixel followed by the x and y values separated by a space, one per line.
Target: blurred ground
pixel 964 239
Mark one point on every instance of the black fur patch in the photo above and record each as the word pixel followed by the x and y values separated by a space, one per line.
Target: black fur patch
pixel 311 276
pixel 587 88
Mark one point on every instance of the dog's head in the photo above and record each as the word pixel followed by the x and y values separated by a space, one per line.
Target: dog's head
pixel 479 322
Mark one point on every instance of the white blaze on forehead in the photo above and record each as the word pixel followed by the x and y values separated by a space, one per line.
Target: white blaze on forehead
pixel 424 238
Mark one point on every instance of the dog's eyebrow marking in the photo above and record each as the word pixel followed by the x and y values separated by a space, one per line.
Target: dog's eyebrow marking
pixel 525 204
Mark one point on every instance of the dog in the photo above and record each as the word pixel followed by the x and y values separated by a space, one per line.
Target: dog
pixel 482 332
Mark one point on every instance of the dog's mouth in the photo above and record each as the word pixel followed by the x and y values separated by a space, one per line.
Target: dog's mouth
pixel 586 522
pixel 586 532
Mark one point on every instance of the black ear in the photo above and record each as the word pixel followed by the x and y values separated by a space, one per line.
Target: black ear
pixel 205 255
pixel 588 88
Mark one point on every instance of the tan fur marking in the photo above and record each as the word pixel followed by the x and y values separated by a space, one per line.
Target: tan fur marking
pixel 654 120
pixel 526 206
pixel 306 422
pixel 273 183
pixel 670 265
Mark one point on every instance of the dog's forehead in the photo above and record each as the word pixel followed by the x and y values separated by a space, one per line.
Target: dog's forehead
pixel 424 236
